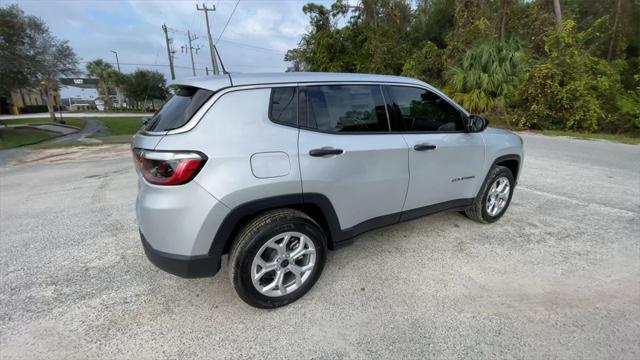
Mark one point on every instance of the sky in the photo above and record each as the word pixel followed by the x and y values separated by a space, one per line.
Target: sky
pixel 255 39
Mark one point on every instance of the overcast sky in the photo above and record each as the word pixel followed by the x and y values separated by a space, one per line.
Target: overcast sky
pixel 255 40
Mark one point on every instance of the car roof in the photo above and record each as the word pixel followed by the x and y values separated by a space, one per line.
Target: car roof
pixel 218 82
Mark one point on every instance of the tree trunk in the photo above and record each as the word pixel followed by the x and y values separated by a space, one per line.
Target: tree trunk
pixel 24 103
pixel 50 104
pixel 503 20
pixel 614 32
pixel 107 98
pixel 119 96
pixel 558 12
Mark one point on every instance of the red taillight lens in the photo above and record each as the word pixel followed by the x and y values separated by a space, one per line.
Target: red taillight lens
pixel 168 168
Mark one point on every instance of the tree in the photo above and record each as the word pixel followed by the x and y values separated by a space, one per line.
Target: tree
pixel 58 59
pixel 31 56
pixel 432 21
pixel 570 88
pixel 18 65
pixel 428 64
pixel 106 74
pixel 504 57
pixel 488 77
pixel 143 85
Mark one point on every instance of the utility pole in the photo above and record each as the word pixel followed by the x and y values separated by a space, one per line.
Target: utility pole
pixel 191 38
pixel 117 61
pixel 169 51
pixel 206 10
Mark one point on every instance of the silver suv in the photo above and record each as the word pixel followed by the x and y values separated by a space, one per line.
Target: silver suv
pixel 274 169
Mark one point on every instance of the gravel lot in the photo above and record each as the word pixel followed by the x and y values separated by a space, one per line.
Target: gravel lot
pixel 557 277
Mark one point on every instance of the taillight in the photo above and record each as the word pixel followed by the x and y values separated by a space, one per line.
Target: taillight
pixel 168 168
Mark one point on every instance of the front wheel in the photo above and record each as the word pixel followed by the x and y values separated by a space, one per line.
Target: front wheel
pixel 494 197
pixel 277 257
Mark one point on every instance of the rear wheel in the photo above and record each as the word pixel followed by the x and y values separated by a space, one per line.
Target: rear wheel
pixel 277 257
pixel 494 197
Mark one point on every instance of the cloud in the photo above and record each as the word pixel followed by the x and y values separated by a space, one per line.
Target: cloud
pixel 255 40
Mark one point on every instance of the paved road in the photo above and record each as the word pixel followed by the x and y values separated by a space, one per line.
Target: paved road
pixel 557 277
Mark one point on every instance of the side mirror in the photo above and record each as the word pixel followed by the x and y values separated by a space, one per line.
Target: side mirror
pixel 476 123
pixel 145 121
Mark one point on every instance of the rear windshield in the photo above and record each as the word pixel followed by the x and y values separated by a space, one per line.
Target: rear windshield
pixel 186 100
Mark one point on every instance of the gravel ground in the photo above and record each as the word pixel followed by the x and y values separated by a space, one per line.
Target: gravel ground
pixel 557 277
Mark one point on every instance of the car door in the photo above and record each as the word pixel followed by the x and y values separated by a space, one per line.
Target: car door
pixel 348 154
pixel 445 161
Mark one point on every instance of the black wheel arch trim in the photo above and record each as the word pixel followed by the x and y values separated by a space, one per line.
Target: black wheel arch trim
pixel 336 236
pixel 497 160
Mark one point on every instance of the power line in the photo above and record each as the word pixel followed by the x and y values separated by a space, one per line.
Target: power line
pixel 255 47
pixel 153 65
pixel 228 20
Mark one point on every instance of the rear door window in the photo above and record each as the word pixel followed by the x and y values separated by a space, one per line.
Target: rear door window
pixel 343 108
pixel 176 112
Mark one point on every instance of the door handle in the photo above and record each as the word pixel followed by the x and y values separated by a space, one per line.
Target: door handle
pixel 424 147
pixel 325 152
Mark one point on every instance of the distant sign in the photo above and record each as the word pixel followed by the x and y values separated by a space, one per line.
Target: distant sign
pixel 85 83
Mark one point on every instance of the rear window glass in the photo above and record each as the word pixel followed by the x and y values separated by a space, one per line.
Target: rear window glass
pixel 179 109
pixel 284 105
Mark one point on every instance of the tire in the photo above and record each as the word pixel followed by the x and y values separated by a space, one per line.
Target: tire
pixel 259 240
pixel 478 211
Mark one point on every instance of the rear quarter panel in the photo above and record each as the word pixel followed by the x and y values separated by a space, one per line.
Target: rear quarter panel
pixel 235 128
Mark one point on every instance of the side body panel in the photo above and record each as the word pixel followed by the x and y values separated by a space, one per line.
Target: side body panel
pixel 368 180
pixel 451 171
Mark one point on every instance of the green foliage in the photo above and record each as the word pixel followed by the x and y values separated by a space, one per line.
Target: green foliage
pixel 19 62
pixel 122 125
pixel 487 77
pixel 30 55
pixel 106 75
pixel 432 21
pixel 144 85
pixel 427 64
pixel 13 137
pixel 629 107
pixel 570 89
pixel 504 58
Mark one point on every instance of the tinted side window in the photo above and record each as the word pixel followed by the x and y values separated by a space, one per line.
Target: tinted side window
pixel 422 110
pixel 186 100
pixel 284 105
pixel 343 108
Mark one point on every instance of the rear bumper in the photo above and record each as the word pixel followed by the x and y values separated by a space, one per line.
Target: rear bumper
pixel 181 265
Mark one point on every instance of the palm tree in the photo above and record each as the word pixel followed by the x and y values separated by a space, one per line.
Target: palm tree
pixel 105 73
pixel 487 77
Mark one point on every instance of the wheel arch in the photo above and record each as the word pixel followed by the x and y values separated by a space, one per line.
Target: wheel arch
pixel 510 161
pixel 316 206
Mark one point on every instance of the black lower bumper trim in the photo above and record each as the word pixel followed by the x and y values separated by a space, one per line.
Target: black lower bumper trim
pixel 180 265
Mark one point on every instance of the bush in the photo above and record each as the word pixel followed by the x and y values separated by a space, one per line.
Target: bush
pixel 35 109
pixel 570 89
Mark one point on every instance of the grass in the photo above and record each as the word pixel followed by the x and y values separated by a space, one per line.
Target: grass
pixel 12 137
pixel 77 122
pixel 621 138
pixel 122 125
